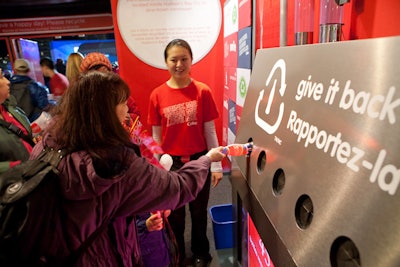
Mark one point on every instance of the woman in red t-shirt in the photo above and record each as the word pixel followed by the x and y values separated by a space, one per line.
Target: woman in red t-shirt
pixel 182 113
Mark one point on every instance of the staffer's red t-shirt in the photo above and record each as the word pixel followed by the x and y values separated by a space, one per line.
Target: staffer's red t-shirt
pixel 58 84
pixel 181 113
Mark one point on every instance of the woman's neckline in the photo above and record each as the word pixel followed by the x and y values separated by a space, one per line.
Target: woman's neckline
pixel 174 84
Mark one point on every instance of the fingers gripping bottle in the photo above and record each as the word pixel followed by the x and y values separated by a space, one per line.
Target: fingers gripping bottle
pixel 238 149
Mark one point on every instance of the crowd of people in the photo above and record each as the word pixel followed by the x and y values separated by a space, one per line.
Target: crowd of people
pixel 115 173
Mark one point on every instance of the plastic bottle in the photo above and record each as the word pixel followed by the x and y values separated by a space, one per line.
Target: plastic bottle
pixel 40 123
pixel 238 149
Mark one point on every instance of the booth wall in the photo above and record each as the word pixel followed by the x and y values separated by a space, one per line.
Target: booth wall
pixel 143 78
pixel 362 19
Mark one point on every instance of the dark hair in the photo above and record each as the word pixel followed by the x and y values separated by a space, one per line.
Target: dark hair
pixel 87 118
pixel 46 61
pixel 177 42
pixel 99 66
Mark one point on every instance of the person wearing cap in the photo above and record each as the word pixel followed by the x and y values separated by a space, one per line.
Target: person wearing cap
pixel 31 96
pixel 58 82
pixel 15 131
pixel 96 61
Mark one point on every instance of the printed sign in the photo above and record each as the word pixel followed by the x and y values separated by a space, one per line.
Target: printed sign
pixel 231 17
pixel 230 50
pixel 243 78
pixel 149 26
pixel 244 56
pixel 56 24
pixel 328 117
pixel 257 253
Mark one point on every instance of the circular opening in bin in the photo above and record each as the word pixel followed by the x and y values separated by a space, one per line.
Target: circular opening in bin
pixel 278 182
pixel 304 211
pixel 262 159
pixel 344 253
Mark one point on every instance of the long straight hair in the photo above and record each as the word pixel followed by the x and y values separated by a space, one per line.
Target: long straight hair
pixel 73 66
pixel 87 118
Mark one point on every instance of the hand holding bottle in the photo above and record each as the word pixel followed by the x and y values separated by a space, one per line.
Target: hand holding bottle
pixel 215 154
pixel 238 149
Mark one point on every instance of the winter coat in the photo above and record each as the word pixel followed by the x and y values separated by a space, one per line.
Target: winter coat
pixel 120 187
pixel 11 146
pixel 35 102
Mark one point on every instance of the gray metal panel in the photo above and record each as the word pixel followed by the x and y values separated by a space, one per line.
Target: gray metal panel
pixel 338 144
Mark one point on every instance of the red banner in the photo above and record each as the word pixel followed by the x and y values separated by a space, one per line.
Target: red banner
pixel 258 254
pixel 56 24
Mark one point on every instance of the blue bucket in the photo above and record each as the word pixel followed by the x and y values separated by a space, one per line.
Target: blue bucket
pixel 222 221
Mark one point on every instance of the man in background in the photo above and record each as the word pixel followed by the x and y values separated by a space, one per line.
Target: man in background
pixel 58 82
pixel 31 96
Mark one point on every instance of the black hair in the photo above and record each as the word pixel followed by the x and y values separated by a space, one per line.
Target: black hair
pixel 46 61
pixel 178 42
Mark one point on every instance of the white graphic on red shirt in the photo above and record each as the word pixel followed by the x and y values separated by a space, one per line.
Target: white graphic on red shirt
pixel 181 113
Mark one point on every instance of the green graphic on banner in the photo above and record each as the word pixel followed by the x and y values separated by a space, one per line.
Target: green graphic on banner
pixel 234 14
pixel 242 87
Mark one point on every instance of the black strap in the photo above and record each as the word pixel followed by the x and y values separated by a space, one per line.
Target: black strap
pixel 15 129
pixel 173 245
pixel 76 254
pixel 54 157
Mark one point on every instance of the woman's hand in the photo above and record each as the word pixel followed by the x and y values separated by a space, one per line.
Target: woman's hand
pixel 216 177
pixel 215 154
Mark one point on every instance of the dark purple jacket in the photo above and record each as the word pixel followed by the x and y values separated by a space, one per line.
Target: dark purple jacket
pixel 139 187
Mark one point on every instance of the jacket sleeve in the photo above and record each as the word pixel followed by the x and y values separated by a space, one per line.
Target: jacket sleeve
pixel 141 223
pixel 39 95
pixel 148 188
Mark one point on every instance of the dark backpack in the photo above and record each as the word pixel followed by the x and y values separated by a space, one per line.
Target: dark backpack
pixel 29 197
pixel 22 94
pixel 32 231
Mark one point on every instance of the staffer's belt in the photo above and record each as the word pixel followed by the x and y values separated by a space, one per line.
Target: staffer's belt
pixel 188 158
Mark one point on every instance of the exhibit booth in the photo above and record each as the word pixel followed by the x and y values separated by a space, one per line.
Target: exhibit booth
pixel 313 85
pixel 321 184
